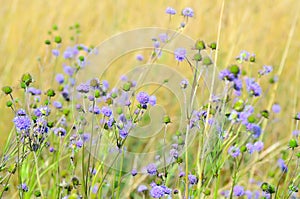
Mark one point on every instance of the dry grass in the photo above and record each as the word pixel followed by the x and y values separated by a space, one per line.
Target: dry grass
pixel 257 26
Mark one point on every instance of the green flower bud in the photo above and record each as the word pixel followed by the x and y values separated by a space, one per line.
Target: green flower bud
pixel 37 193
pixel 265 114
pixel 251 119
pixel 54 27
pixel 94 83
pixel 206 192
pixel 7 90
pixel 239 106
pixel 26 79
pixel 198 57
pixel 66 112
pixel 50 93
pixel 213 45
pixel 293 143
pixel 200 45
pixel 252 58
pixel 119 110
pixel 243 148
pixel 127 86
pixel 109 101
pixel 9 103
pixel 57 39
pixel 206 61
pixel 47 42
pixel 234 69
pixel 167 119
pixel 264 186
pixel 114 95
pixel 75 181
pixel 81 58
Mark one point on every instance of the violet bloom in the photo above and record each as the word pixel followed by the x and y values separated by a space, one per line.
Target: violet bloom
pixel 266 70
pixel 163 37
pixel 140 57
pixel 22 121
pixel 142 188
pixel 69 70
pixel 256 130
pixel 34 91
pixel 157 192
pixel 234 151
pixel 258 146
pixel 238 190
pixel 59 78
pixel 253 87
pixel 180 54
pixel 142 98
pixel 170 11
pixel 243 56
pixel 152 100
pixel 282 165
pixel 184 83
pixel 60 132
pixel 276 108
pixel 151 169
pixel 188 12
pixel 57 104
pixel 55 52
pixel 106 111
pixel 133 172
pixel 83 88
pixel 192 179
pixel 226 75
pixel 24 187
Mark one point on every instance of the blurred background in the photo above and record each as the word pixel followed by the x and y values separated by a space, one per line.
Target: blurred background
pixel 260 27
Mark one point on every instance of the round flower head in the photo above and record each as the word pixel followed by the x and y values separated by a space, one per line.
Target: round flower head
pixel 226 75
pixel 69 70
pixel 142 188
pixel 83 88
pixel 57 104
pixel 276 108
pixel 238 190
pixel 256 130
pixel 258 146
pixel 140 57
pixel 157 192
pixel 192 179
pixel 151 169
pixel 253 87
pixel 106 111
pixel 55 52
pixel 34 91
pixel 24 187
pixel 152 100
pixel 248 194
pixel 188 12
pixel 22 121
pixel 234 151
pixel 184 83
pixel 243 56
pixel 282 165
pixel 60 131
pixel 133 172
pixel 180 54
pixel 142 98
pixel 170 11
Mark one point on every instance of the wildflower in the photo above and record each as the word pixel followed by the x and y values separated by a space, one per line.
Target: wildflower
pixel 296 133
pixel 83 88
pixel 250 148
pixel 181 174
pixel 22 121
pixel 170 11
pixel 243 56
pixel 253 87
pixel 258 146
pixel 106 111
pixel 282 165
pixel 55 52
pixel 226 75
pixel 152 100
pixel 256 130
pixel 57 104
pixel 157 192
pixel 69 70
pixel 151 169
pixel 24 187
pixel 234 151
pixel 188 12
pixel 180 54
pixel 140 57
pixel 123 133
pixel 192 179
pixel 266 70
pixel 248 194
pixel 276 108
pixel 95 110
pixel 60 131
pixel 225 193
pixel 238 190
pixel 142 98
pixel 133 172
pixel 163 37
pixel 34 91
pixel 142 188
pixel 184 83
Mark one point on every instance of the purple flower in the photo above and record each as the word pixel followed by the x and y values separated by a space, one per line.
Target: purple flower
pixel 181 174
pixel 192 179
pixel 296 133
pixel 250 148
pixel 238 84
pixel 106 111
pixel 156 44
pixel 188 12
pixel 133 172
pixel 60 131
pixel 142 188
pixel 55 52
pixel 174 153
pixel 34 91
pixel 152 100
pixel 266 70
pixel 225 193
pixel 226 75
pixel 157 192
pixel 83 88
pixel 96 110
pixel 22 121
pixel 151 169
pixel 258 146
pixel 57 104
pixel 276 108
pixel 79 143
pixel 256 130
pixel 140 57
pixel 123 133
pixel 60 78
pixel 253 87
pixel 248 194
pixel 180 54
pixel 163 37
pixel 170 11
pixel 234 151
pixel 184 83
pixel 243 56
pixel 282 165
pixel 51 149
pixel 238 190
pixel 70 52
pixel 69 70
pixel 142 98
pixel 24 187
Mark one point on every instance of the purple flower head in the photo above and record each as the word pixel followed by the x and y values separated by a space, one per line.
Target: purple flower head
pixel 184 83
pixel 142 98
pixel 248 194
pixel 123 133
pixel 256 130
pixel 163 37
pixel 24 187
pixel 174 153
pixel 282 165
pixel 234 151
pixel 55 52
pixel 57 104
pixel 60 131
pixel 266 70
pixel 156 44
pixel 133 172
pixel 180 54
pixel 83 88
pixel 106 111
pixel 157 192
pixel 226 75
pixel 69 70
pixel 60 78
pixel 105 85
pixel 151 169
pixel 51 149
pixel 238 190
pixel 170 11
pixel 188 12
pixel 258 146
pixel 276 108
pixel 296 133
pixel 70 52
pixel 167 190
pixel 238 84
pixel 140 57
pixel 34 91
pixel 181 174
pixel 243 56
pixel 22 121
pixel 253 87
pixel 225 193
pixel 142 188
pixel 250 148
pixel 152 100
pixel 192 179
pixel 79 143
pixel 86 137
pixel 96 110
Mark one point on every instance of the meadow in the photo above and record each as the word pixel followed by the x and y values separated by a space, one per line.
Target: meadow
pixel 144 99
